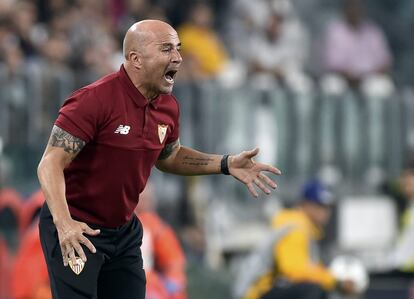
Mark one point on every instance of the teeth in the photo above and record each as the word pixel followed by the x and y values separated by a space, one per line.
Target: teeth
pixel 169 79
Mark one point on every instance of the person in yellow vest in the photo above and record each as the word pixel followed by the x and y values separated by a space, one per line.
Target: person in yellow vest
pixel 297 269
pixel 202 48
pixel 397 264
pixel 401 258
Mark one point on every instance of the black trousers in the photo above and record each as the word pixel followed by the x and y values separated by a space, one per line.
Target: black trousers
pixel 296 291
pixel 115 271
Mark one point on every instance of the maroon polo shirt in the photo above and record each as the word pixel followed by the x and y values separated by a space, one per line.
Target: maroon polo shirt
pixel 124 135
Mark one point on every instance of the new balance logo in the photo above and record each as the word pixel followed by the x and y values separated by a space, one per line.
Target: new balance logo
pixel 124 130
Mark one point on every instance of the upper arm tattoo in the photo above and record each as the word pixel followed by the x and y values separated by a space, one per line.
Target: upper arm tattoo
pixel 69 143
pixel 168 149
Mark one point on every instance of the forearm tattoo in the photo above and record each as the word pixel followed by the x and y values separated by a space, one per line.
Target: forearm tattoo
pixel 69 143
pixel 168 149
pixel 196 161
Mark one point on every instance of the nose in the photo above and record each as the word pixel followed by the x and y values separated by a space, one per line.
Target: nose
pixel 176 57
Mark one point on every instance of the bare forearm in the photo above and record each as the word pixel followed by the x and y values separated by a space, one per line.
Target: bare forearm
pixel 52 181
pixel 182 160
pixel 188 161
pixel 62 148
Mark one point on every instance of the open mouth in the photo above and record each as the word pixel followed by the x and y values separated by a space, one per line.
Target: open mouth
pixel 169 76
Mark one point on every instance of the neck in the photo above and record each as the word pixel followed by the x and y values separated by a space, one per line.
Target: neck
pixel 354 24
pixel 148 93
pixel 308 214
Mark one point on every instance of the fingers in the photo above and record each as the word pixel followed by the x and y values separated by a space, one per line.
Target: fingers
pixel 85 241
pixel 262 167
pixel 267 180
pixel 79 250
pixel 259 182
pixel 72 240
pixel 261 186
pixel 250 154
pixel 89 231
pixel 75 247
pixel 272 169
pixel 70 254
pixel 252 190
pixel 64 250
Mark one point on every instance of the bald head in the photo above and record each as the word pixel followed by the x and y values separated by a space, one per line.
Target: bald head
pixel 152 57
pixel 142 33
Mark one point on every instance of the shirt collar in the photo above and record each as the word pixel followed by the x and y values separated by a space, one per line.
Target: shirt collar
pixel 134 93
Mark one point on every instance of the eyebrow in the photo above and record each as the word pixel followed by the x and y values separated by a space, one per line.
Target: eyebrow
pixel 170 44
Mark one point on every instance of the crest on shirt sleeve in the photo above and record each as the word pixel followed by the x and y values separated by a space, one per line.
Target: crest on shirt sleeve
pixel 162 132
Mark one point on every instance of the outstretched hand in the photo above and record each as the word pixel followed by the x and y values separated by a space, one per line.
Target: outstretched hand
pixel 247 171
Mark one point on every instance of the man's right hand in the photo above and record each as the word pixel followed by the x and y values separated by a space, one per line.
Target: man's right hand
pixel 71 236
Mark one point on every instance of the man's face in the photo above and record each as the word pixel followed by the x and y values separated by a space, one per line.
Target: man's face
pixel 319 214
pixel 161 60
pixel 274 27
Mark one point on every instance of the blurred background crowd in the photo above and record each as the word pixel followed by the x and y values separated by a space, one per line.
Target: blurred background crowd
pixel 325 88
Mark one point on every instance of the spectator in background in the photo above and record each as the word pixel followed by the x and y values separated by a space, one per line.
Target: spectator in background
pixel 48 9
pixel 12 84
pixel 10 209
pixel 269 37
pixel 398 262
pixel 402 256
pixel 100 58
pixel 254 15
pixel 55 78
pixel 297 270
pixel 29 32
pixel 5 269
pixel 279 51
pixel 17 49
pixel 89 24
pixel 10 212
pixel 30 210
pixel 24 284
pixel 355 47
pixel 7 38
pixel 164 260
pixel 203 51
pixel 134 10
pixel 13 96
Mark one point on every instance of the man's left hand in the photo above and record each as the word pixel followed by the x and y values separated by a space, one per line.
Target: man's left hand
pixel 247 171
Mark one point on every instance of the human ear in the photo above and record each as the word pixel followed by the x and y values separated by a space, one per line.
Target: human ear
pixel 135 59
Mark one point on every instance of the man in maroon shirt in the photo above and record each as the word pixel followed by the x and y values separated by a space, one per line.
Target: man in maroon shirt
pixel 106 139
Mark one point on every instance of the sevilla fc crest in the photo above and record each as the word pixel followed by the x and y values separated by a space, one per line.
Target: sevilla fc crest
pixel 78 266
pixel 162 132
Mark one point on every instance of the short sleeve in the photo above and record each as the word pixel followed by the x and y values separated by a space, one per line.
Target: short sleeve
pixel 175 131
pixel 79 114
